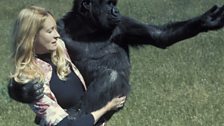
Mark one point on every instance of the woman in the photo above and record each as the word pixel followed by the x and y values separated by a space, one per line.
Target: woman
pixel 40 55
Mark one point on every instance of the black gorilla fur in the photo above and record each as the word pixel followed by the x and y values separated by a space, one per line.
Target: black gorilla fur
pixel 98 39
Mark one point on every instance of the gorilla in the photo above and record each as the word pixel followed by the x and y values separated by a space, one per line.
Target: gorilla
pixel 98 38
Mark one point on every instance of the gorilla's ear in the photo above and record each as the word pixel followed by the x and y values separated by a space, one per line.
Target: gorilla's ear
pixel 85 6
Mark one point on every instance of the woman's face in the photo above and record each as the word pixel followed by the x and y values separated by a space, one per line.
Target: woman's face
pixel 46 39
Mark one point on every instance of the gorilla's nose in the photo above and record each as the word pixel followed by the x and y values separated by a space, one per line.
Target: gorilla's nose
pixel 115 12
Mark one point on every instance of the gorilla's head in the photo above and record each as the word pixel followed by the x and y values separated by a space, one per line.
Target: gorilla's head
pixel 102 13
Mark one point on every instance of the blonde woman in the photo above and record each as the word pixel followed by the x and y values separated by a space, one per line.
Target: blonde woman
pixel 40 55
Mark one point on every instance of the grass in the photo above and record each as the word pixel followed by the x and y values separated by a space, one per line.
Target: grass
pixel 179 86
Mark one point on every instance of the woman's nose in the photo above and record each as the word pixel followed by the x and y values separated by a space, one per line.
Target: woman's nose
pixel 56 34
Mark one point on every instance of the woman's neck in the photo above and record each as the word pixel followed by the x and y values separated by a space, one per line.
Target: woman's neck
pixel 45 57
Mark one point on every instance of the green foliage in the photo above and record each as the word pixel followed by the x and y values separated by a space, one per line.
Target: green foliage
pixel 179 86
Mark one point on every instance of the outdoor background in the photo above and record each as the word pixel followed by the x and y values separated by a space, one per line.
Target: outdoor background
pixel 178 86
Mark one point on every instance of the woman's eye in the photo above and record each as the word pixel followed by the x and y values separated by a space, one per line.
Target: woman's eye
pixel 49 31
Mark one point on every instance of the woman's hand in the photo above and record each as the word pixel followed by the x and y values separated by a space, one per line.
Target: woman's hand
pixel 115 103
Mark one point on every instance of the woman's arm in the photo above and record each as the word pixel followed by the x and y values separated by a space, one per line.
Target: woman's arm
pixel 114 104
pixel 93 117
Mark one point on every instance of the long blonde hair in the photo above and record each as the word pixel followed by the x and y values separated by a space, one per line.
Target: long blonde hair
pixel 28 23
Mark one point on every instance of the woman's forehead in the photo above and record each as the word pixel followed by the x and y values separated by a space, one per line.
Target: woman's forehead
pixel 49 22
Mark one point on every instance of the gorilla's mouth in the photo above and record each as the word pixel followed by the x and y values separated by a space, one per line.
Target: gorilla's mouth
pixel 114 21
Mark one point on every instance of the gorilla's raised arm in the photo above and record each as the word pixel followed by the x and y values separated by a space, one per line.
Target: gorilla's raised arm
pixel 135 33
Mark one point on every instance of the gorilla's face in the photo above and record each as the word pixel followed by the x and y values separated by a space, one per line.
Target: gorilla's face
pixel 102 13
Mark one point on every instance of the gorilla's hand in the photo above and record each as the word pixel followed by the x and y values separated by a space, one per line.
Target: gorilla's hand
pixel 25 93
pixel 213 19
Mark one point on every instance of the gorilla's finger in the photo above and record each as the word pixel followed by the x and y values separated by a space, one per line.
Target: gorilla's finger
pixel 36 81
pixel 219 12
pixel 39 96
pixel 27 87
pixel 211 10
pixel 39 91
pixel 223 14
pixel 37 86
pixel 222 20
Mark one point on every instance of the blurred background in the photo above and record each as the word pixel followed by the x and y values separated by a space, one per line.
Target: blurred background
pixel 178 86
